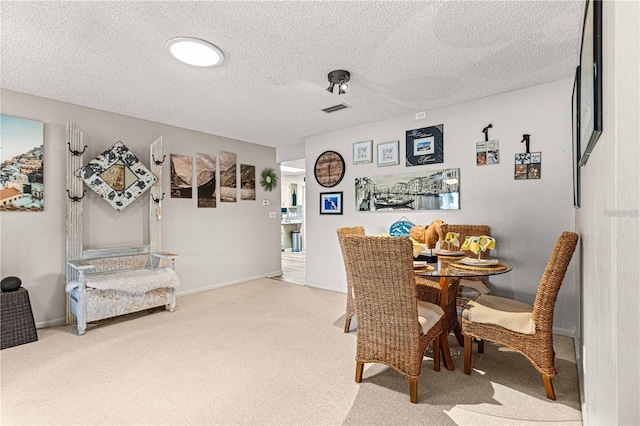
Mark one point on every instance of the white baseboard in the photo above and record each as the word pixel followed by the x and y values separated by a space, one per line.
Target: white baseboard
pixel 569 332
pixel 325 287
pixel 51 323
pixel 226 284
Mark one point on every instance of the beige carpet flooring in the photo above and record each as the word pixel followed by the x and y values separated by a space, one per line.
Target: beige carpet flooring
pixel 261 352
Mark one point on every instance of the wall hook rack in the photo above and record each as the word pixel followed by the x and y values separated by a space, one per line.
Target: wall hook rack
pixel 156 161
pixel 157 200
pixel 76 153
pixel 486 132
pixel 76 199
pixel 526 140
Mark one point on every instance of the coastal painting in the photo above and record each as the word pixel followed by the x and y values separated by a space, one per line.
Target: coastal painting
pixel 228 179
pixel 21 164
pixel 247 182
pixel 206 179
pixel 428 190
pixel 181 176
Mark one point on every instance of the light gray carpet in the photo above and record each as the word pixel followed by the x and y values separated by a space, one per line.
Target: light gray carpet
pixel 262 352
pixel 503 389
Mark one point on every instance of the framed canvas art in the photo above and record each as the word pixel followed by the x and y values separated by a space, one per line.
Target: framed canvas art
pixel 425 146
pixel 362 152
pixel 21 164
pixel 590 79
pixel 331 203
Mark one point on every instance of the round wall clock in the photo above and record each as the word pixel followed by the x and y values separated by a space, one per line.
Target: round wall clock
pixel 329 169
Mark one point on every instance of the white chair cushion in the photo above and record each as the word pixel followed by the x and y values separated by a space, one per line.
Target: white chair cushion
pixel 477 285
pixel 510 314
pixel 428 315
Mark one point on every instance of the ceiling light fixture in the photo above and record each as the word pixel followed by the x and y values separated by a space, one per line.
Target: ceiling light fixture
pixel 194 51
pixel 339 77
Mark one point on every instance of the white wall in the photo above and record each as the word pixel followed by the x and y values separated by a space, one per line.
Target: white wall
pixel 609 226
pixel 231 243
pixel 526 217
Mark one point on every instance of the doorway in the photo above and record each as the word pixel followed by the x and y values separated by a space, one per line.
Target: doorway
pixel 293 241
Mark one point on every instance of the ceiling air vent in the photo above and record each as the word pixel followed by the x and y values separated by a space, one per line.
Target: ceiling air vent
pixel 335 108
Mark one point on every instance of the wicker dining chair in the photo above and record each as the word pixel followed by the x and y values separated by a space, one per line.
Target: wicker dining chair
pixel 429 290
pixel 351 306
pixel 394 328
pixel 525 328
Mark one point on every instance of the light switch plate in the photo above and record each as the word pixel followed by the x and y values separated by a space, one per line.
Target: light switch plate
pixel 266 202
pixel 272 215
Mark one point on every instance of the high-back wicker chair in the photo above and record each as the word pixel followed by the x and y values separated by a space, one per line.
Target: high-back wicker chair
pixel 429 291
pixel 351 306
pixel 525 328
pixel 467 230
pixel 394 328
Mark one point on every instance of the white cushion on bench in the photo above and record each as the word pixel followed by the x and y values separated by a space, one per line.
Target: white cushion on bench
pixel 137 281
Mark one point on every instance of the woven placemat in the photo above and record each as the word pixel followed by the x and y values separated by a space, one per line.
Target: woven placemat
pixel 498 267
pixel 453 257
pixel 424 269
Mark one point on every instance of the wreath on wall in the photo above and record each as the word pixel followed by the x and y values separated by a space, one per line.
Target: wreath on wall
pixel 269 179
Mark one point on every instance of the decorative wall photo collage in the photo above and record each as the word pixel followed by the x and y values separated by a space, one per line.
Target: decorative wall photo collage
pixel 431 189
pixel 208 187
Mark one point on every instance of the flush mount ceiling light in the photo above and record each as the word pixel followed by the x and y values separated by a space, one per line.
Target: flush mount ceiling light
pixel 196 52
pixel 339 77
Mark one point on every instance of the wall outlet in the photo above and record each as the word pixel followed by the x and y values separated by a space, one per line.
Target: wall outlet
pixel 266 202
pixel 272 215
pixel 420 115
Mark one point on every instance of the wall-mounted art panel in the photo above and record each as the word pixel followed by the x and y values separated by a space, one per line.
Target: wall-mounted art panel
pixel 247 182
pixel 428 190
pixel 21 164
pixel 206 179
pixel 181 176
pixel 117 176
pixel 228 179
pixel 425 146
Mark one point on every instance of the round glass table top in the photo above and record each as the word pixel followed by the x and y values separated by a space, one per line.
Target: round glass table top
pixel 455 269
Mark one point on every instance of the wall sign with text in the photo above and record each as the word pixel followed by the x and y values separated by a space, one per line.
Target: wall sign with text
pixel 425 146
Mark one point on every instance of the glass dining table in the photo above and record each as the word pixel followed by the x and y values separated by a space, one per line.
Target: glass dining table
pixel 444 278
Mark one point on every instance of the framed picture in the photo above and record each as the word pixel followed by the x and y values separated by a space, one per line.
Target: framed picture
pixel 425 146
pixel 488 152
pixel 590 79
pixel 575 108
pixel 528 165
pixel 362 152
pixel 388 153
pixel 331 203
pixel 425 190
pixel 22 164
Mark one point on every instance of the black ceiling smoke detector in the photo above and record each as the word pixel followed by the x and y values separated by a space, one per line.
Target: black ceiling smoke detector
pixel 339 77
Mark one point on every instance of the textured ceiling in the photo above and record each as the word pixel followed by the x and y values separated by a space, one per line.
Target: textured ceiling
pixel 403 57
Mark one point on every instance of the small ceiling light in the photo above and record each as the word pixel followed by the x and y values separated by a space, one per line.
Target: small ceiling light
pixel 330 88
pixel 196 52
pixel 339 77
